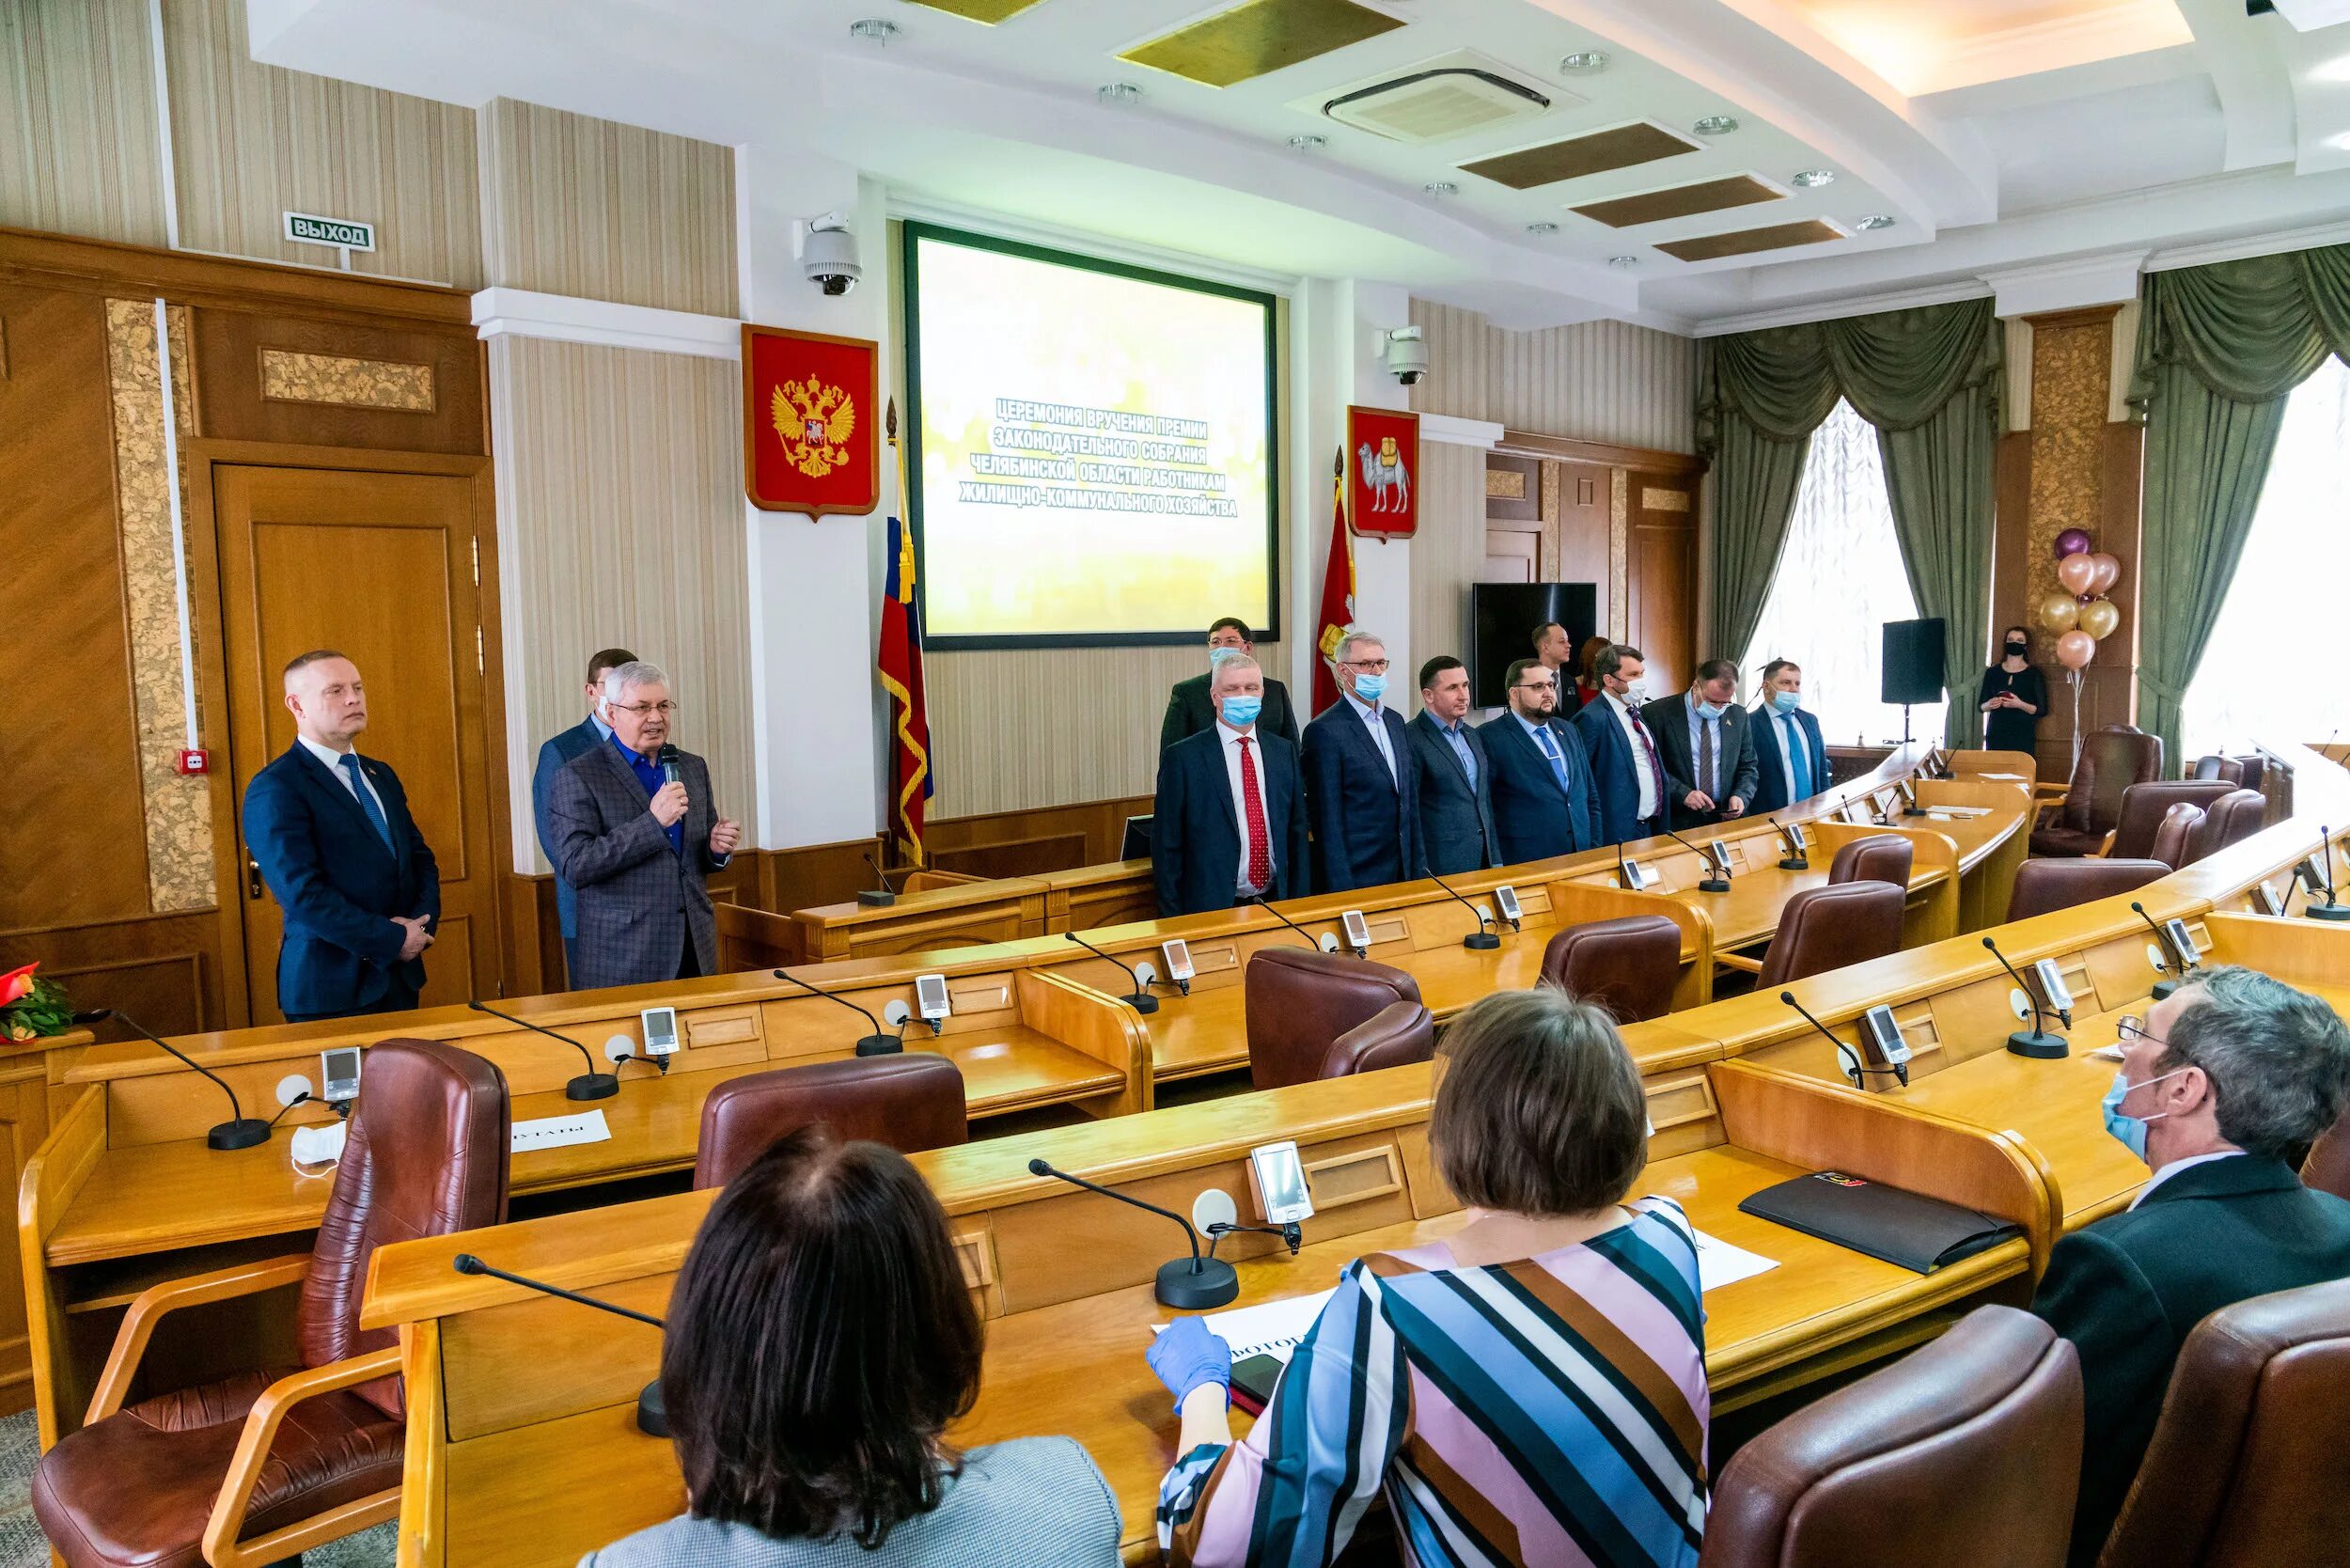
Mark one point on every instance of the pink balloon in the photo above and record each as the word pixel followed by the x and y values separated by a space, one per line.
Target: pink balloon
pixel 2075 648
pixel 2108 573
pixel 2077 572
pixel 2072 541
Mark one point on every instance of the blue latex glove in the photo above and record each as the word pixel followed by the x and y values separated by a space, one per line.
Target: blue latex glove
pixel 1187 1356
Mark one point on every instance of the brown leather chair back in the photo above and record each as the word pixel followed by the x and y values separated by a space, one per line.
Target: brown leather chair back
pixel 2143 806
pixel 1963 1452
pixel 1879 858
pixel 1298 1003
pixel 2111 760
pixel 909 1101
pixel 2219 767
pixel 2327 1168
pixel 1628 966
pixel 2179 827
pixel 1826 928
pixel 2246 1464
pixel 2251 772
pixel 2044 886
pixel 425 1154
pixel 2230 819
pixel 1398 1034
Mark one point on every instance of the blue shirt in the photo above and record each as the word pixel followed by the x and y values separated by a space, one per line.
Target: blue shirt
pixel 597 719
pixel 1453 737
pixel 1552 753
pixel 649 775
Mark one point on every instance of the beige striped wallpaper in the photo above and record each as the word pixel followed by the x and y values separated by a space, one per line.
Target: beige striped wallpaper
pixel 1445 554
pixel 619 497
pixel 78 148
pixel 1597 380
pixel 603 210
pixel 252 141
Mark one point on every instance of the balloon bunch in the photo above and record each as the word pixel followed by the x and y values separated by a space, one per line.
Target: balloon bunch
pixel 2081 616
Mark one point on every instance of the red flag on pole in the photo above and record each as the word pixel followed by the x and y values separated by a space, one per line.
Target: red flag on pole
pixel 899 662
pixel 1338 594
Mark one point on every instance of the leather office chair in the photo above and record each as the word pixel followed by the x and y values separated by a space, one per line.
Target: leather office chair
pixel 1825 928
pixel 1965 1451
pixel 2111 760
pixel 2180 824
pixel 1879 858
pixel 2044 886
pixel 2328 1168
pixel 2230 819
pixel 2252 771
pixel 2226 768
pixel 910 1103
pixel 1628 966
pixel 1397 1034
pixel 165 1483
pixel 1299 1002
pixel 2143 806
pixel 2246 1464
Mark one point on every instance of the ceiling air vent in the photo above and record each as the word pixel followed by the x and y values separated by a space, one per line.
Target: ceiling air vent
pixel 1440 99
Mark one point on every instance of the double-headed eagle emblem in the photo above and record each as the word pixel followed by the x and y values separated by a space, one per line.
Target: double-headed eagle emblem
pixel 815 422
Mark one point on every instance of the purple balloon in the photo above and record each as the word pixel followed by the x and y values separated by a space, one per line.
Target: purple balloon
pixel 2072 541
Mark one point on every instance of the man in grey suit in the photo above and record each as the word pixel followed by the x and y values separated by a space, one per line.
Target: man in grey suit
pixel 1706 742
pixel 1456 791
pixel 560 748
pixel 636 834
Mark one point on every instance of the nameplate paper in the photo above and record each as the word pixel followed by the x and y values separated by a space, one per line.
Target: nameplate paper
pixel 560 1132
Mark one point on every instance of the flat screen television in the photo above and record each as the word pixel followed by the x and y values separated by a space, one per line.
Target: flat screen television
pixel 1502 617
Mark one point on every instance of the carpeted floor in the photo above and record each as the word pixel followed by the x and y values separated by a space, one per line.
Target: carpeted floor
pixel 22 1545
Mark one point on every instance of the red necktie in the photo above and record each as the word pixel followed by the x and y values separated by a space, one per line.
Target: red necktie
pixel 1260 844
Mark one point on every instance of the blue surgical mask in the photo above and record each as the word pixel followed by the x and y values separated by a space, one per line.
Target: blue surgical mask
pixel 1709 709
pixel 2130 1130
pixel 1786 702
pixel 1241 711
pixel 1371 688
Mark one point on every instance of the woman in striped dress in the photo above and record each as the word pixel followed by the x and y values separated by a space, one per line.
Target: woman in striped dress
pixel 1530 1390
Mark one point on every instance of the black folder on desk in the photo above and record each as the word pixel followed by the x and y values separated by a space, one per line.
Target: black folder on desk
pixel 1900 1227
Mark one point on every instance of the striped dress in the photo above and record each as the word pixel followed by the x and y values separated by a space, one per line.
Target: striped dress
pixel 1548 1411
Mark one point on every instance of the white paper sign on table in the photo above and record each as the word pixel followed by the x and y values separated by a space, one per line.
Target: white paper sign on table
pixel 1720 1264
pixel 557 1132
pixel 1272 1328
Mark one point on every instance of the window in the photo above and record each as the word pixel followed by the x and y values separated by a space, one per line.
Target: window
pixel 1839 580
pixel 2266 671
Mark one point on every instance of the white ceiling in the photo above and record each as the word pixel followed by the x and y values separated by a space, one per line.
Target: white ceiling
pixel 1997 134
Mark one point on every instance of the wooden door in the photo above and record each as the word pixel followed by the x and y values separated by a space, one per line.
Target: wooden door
pixel 1585 550
pixel 1513 521
pixel 385 568
pixel 1662 580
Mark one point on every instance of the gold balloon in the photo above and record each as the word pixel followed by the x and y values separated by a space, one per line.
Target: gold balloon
pixel 2099 617
pixel 2060 612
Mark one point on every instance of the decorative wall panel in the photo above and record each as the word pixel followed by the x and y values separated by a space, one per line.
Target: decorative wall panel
pixel 1596 381
pixel 78 148
pixel 291 377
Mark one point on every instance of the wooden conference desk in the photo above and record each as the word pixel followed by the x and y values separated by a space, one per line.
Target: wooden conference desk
pixel 510 1466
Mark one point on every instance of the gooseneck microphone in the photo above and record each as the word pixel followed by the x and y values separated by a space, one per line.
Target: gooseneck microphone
pixel 2036 1042
pixel 1311 940
pixel 652 1415
pixel 239 1131
pixel 2162 987
pixel 1793 837
pixel 1847 1057
pixel 2323 861
pixel 1190 1284
pixel 879 1043
pixel 1716 879
pixel 879 897
pixel 1139 998
pixel 590 1085
pixel 1481 939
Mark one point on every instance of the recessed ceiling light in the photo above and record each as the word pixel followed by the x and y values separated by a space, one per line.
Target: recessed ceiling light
pixel 1623 260
pixel 1585 62
pixel 1812 180
pixel 1441 188
pixel 1118 95
pixel 874 30
pixel 1541 229
pixel 1716 125
pixel 2341 143
pixel 1875 221
pixel 1309 143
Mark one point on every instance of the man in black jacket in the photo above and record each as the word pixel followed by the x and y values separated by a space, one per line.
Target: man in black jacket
pixel 1188 710
pixel 2228 1079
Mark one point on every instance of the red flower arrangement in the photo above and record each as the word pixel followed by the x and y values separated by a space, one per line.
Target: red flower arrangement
pixel 31 1007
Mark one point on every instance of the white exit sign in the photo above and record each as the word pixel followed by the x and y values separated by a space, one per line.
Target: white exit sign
pixel 342 233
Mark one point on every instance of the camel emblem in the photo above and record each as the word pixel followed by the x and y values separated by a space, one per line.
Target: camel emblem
pixel 1387 478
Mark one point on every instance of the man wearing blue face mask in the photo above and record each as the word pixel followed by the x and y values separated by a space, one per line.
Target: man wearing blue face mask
pixel 1360 783
pixel 2222 1085
pixel 1230 823
pixel 1708 748
pixel 1789 753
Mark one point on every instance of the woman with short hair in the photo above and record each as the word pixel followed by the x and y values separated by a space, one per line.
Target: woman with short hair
pixel 820 1340
pixel 1529 1389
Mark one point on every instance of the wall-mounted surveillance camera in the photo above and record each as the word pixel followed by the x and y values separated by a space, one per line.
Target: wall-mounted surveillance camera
pixel 828 255
pixel 1407 355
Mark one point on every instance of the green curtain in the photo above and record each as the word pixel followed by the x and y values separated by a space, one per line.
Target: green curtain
pixel 1929 380
pixel 2220 348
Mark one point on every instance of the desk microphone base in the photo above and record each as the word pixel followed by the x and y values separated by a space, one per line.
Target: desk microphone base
pixel 1795 863
pixel 880 1045
pixel 2328 912
pixel 876 897
pixel 653 1413
pixel 1713 884
pixel 2162 989
pixel 247 1131
pixel 593 1085
pixel 1193 1285
pixel 1142 1002
pixel 1481 941
pixel 2039 1045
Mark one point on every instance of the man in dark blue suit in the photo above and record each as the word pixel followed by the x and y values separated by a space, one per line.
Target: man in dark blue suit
pixel 1230 819
pixel 1789 754
pixel 1624 761
pixel 1453 777
pixel 1545 799
pixel 1360 779
pixel 585 735
pixel 332 833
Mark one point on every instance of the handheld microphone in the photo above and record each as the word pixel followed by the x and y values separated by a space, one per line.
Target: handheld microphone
pixel 877 898
pixel 1716 879
pixel 1311 940
pixel 2162 987
pixel 878 1043
pixel 590 1085
pixel 1793 838
pixel 667 757
pixel 2324 861
pixel 1190 1284
pixel 652 1415
pixel 1139 998
pixel 239 1131
pixel 1846 1057
pixel 2036 1042
pixel 1480 939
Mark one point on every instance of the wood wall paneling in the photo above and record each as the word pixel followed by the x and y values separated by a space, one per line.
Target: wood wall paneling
pixel 1585 545
pixel 333 409
pixel 78 150
pixel 1662 578
pixel 1599 381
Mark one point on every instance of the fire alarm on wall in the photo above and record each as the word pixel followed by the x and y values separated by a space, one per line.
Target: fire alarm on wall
pixel 193 761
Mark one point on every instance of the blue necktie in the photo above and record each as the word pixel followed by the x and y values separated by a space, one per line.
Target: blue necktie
pixel 1799 753
pixel 1549 747
pixel 350 764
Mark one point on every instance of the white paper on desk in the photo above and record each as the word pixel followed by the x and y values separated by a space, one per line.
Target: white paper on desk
pixel 2002 777
pixel 559 1132
pixel 1720 1264
pixel 1272 1328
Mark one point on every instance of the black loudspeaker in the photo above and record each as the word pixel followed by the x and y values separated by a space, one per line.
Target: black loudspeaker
pixel 1913 661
